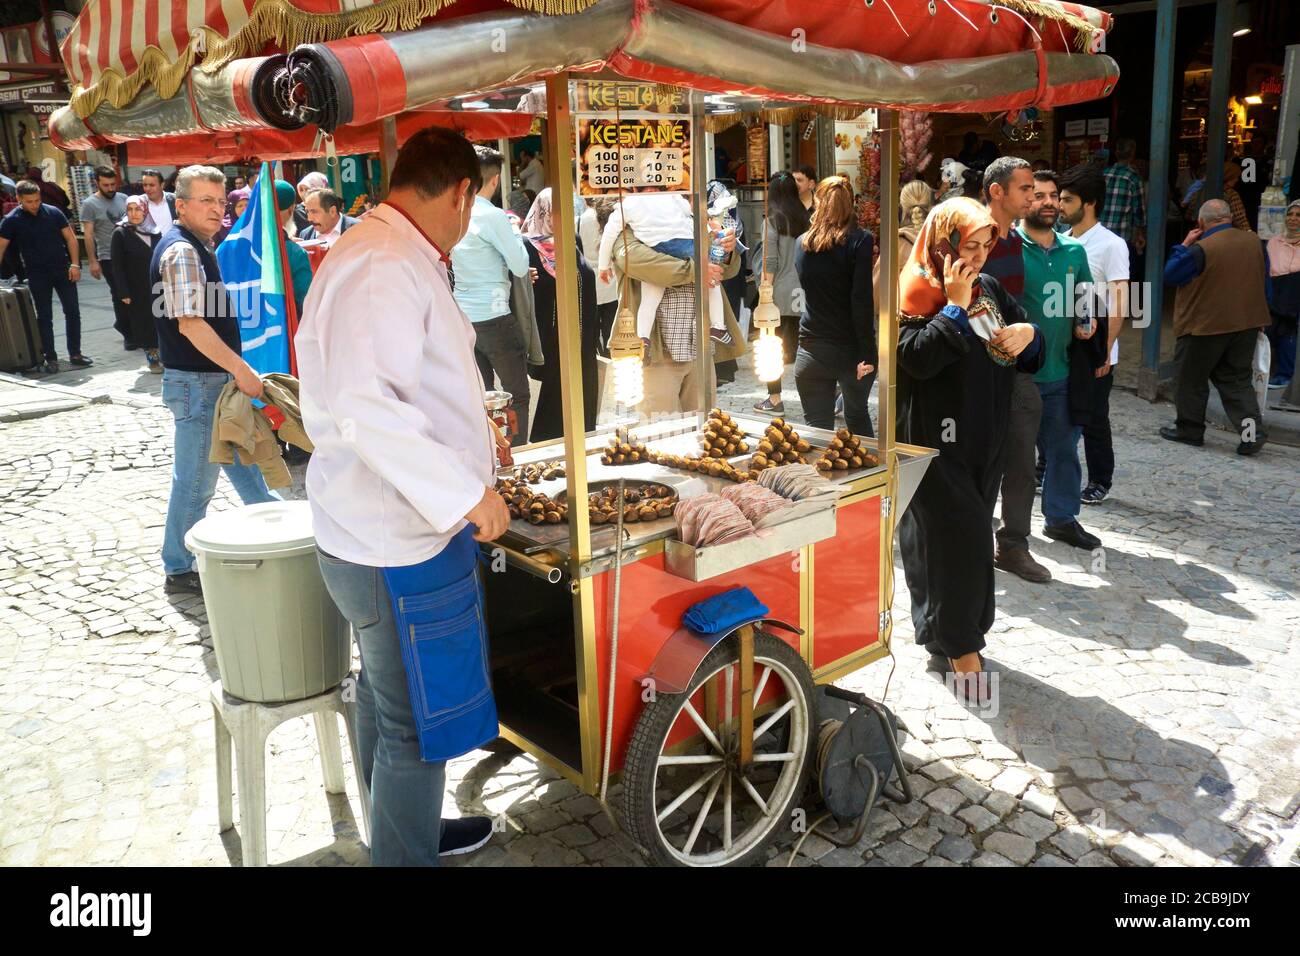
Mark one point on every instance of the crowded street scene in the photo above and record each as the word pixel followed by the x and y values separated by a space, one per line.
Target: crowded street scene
pixel 651 433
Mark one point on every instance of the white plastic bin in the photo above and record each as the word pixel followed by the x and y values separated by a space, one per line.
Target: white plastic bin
pixel 276 632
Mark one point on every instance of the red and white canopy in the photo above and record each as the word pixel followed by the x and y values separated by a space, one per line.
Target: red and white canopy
pixel 159 68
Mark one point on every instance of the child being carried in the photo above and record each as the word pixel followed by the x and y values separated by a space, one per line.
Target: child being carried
pixel 664 222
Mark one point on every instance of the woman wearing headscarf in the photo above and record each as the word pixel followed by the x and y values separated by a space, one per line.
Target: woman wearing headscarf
pixel 1284 270
pixel 787 220
pixel 236 203
pixel 132 248
pixel 837 334
pixel 539 233
pixel 961 340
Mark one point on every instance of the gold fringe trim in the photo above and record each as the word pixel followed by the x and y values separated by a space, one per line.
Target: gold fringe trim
pixel 276 22
pixel 783 115
pixel 1083 30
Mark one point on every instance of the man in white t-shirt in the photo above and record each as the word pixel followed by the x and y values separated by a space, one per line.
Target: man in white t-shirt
pixel 162 205
pixel 1083 193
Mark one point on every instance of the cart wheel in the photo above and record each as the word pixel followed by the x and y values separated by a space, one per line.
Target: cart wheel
pixel 687 800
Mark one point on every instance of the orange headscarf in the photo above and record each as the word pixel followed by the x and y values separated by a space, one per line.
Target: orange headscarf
pixel 920 290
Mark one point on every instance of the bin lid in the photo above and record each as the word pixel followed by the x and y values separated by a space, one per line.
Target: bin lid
pixel 273 529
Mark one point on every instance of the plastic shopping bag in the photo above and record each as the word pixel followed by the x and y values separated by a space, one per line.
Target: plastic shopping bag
pixel 1259 369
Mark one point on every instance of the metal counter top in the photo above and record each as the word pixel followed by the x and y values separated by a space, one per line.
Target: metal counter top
pixel 677 436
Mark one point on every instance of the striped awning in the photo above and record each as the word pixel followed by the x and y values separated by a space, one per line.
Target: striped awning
pixel 120 47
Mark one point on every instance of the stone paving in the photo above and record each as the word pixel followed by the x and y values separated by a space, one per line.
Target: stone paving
pixel 1146 708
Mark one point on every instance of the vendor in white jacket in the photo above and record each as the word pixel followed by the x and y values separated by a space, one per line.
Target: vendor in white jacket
pixel 400 487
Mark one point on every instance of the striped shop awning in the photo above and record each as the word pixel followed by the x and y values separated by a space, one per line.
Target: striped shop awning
pixel 119 47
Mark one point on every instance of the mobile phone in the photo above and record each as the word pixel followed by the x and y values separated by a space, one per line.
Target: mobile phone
pixel 1083 305
pixel 947 246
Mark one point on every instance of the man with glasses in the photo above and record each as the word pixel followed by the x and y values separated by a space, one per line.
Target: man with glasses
pixel 198 341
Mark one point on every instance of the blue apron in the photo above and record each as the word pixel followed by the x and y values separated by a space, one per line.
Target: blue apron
pixel 439 609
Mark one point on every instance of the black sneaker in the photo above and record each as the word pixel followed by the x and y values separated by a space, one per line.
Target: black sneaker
pixel 187 583
pixel 1073 534
pixel 1251 447
pixel 464 835
pixel 770 407
pixel 51 366
pixel 1094 494
pixel 80 361
pixel 721 336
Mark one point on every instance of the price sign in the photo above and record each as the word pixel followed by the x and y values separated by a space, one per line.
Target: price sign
pixel 642 154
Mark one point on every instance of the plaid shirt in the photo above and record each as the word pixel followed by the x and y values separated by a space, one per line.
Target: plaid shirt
pixel 184 282
pixel 677 321
pixel 1239 217
pixel 1123 212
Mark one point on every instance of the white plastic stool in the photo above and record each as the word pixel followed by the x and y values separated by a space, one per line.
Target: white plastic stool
pixel 249 724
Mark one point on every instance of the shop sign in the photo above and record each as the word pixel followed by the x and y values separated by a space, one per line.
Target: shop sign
pixel 643 154
pixel 631 136
pixel 1099 127
pixel 1075 128
pixel 611 96
pixel 26 42
pixel 29 94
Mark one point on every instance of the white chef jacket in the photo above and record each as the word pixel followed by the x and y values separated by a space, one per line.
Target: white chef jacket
pixel 391 396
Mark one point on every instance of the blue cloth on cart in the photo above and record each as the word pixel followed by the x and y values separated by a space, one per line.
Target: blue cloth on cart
pixel 722 612
pixel 439 609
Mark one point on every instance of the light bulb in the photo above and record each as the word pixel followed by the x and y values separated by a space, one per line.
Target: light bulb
pixel 625 353
pixel 769 358
pixel 629 380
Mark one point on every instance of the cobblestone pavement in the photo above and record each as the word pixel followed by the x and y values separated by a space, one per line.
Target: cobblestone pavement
pixel 1146 708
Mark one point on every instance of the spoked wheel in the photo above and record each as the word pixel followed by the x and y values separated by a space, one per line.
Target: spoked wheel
pixel 690 800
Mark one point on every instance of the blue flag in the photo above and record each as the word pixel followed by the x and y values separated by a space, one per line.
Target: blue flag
pixel 251 267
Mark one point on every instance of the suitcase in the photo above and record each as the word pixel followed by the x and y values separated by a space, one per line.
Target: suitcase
pixel 20 337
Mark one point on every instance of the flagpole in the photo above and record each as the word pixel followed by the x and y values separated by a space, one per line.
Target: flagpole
pixel 286 275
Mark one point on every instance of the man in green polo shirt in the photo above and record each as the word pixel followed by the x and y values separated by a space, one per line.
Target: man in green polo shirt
pixel 1056 266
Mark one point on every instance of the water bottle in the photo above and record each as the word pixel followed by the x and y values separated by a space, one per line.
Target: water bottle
pixel 720 213
pixel 717 255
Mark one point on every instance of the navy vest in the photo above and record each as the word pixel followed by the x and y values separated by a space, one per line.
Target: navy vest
pixel 175 350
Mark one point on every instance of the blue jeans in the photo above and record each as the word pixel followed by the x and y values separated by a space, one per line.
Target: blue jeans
pixel 43 287
pixel 191 397
pixel 405 792
pixel 677 248
pixel 1059 441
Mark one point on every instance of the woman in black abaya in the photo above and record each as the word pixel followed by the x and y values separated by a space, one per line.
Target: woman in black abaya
pixel 961 339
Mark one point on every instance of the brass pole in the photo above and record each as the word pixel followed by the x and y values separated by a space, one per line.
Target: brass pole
pixel 700 206
pixel 559 168
pixel 558 150
pixel 747 702
pixel 387 153
pixel 887 307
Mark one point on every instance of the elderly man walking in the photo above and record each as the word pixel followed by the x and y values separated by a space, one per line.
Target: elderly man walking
pixel 1220 272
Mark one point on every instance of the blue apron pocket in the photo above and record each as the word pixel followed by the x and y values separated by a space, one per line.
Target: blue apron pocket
pixel 450 665
pixel 444 648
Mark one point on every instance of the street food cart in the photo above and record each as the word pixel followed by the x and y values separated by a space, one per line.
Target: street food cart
pixel 712 738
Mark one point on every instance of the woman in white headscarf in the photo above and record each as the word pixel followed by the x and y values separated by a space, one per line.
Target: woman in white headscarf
pixel 132 249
